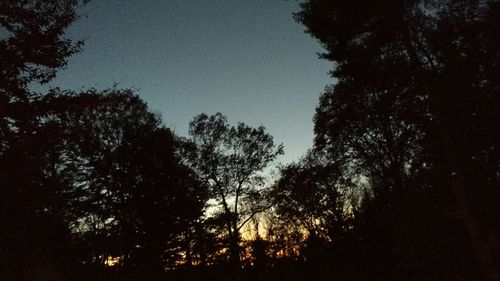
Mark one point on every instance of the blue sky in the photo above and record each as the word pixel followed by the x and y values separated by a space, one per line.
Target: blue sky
pixel 245 58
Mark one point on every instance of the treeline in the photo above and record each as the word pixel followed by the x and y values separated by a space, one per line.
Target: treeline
pixel 403 181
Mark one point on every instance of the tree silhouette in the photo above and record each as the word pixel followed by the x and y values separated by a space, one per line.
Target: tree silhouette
pixel 132 198
pixel 315 196
pixel 34 233
pixel 437 58
pixel 230 160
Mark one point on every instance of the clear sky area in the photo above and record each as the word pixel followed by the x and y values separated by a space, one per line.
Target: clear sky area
pixel 248 59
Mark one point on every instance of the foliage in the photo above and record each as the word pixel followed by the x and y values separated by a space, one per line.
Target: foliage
pixel 412 111
pixel 401 184
pixel 313 195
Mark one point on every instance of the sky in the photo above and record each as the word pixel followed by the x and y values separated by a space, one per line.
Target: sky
pixel 247 59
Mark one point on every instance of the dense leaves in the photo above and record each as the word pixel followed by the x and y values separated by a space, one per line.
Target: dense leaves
pixel 412 112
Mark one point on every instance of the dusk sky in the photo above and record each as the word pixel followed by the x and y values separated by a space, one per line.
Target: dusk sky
pixel 247 59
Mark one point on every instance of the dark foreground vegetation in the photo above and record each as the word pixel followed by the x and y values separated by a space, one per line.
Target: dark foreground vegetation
pixel 403 181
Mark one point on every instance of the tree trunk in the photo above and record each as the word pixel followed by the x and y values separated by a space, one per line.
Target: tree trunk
pixel 454 167
pixel 234 253
pixel 234 249
pixel 187 249
pixel 483 251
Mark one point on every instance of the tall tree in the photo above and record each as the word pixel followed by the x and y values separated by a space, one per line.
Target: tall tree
pixel 34 235
pixel 231 159
pixel 440 58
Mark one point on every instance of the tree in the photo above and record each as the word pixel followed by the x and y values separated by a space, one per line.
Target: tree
pixel 131 198
pixel 374 138
pixel 34 234
pixel 230 160
pixel 403 48
pixel 315 196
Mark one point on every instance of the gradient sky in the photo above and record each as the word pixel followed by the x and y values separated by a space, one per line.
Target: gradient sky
pixel 245 58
